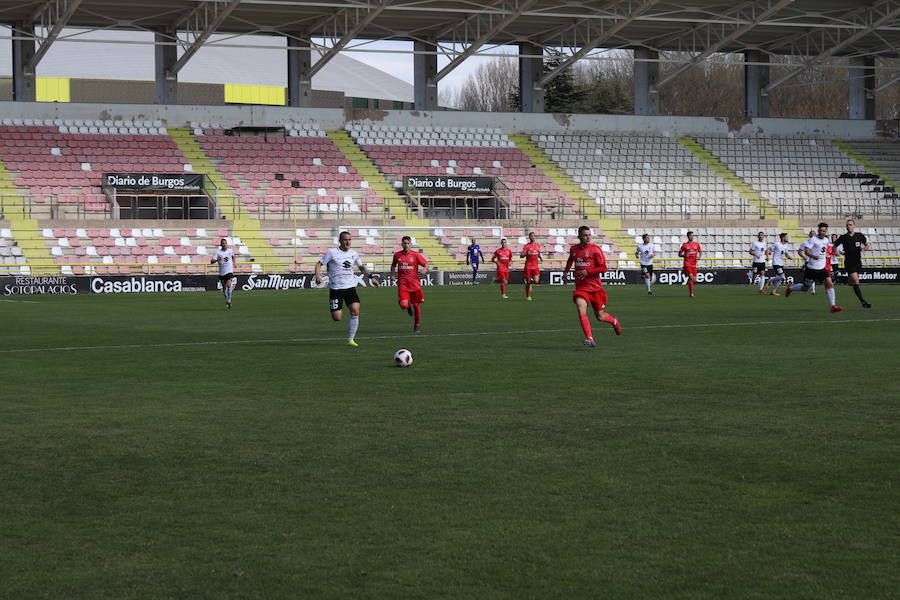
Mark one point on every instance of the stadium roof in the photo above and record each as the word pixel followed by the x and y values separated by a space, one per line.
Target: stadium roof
pixel 125 55
pixel 805 28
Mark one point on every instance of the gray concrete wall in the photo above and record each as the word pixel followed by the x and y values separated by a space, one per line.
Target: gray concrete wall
pixel 180 115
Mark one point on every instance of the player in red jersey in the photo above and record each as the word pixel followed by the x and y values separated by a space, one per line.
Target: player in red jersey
pixel 531 252
pixel 405 271
pixel 691 252
pixel 502 258
pixel 589 263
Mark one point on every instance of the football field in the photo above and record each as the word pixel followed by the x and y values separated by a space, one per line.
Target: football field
pixel 729 445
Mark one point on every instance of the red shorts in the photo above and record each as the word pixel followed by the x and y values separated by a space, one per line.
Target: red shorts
pixel 689 270
pixel 597 299
pixel 411 296
pixel 532 272
pixel 502 274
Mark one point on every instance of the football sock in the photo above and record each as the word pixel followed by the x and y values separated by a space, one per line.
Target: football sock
pixel 352 327
pixel 797 287
pixel 417 314
pixel 647 282
pixel 228 293
pixel 503 288
pixel 776 283
pixel 813 288
pixel 762 282
pixel 859 295
pixel 691 286
pixel 831 298
pixel 527 289
pixel 585 325
pixel 608 318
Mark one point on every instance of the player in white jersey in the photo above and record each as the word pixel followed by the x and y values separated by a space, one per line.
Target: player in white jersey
pixel 816 251
pixel 780 251
pixel 342 282
pixel 225 257
pixel 759 250
pixel 645 253
pixel 801 253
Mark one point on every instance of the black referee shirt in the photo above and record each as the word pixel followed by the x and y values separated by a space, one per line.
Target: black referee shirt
pixel 853 245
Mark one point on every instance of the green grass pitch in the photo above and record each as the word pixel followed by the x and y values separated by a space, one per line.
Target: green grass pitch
pixel 728 446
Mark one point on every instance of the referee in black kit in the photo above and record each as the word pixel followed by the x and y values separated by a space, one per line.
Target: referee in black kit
pixel 854 244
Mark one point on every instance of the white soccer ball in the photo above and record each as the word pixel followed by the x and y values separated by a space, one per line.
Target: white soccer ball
pixel 403 357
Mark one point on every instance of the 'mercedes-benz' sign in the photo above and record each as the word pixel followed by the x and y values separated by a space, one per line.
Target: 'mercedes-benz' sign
pixel 153 182
pixel 450 184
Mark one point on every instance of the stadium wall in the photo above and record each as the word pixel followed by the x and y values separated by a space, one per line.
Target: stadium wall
pixel 255 115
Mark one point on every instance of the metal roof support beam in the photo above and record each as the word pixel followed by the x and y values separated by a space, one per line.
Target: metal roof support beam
pixel 492 29
pixel 892 9
pixel 299 80
pixel 603 36
pixel 861 82
pixel 205 19
pixel 351 30
pixel 646 71
pixel 531 67
pixel 425 89
pixel 57 12
pixel 24 83
pixel 760 11
pixel 756 77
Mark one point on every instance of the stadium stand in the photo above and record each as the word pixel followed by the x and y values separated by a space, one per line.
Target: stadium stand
pixel 63 161
pixel 798 176
pixel 641 175
pixel 153 248
pixel 301 172
pixel 12 260
pixel 399 151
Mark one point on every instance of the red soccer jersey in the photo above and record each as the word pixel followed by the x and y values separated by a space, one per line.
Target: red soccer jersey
pixel 829 257
pixel 590 259
pixel 531 254
pixel 407 265
pixel 690 250
pixel 504 257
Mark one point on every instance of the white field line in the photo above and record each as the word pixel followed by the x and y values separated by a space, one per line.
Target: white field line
pixel 21 301
pixel 424 335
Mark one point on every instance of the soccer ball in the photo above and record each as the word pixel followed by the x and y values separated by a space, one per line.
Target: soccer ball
pixel 403 357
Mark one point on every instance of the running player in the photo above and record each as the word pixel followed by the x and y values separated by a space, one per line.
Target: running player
pixel 802 254
pixel 759 250
pixel 531 252
pixel 691 252
pixel 474 258
pixel 405 271
pixel 853 244
pixel 225 257
pixel 502 258
pixel 816 250
pixel 342 282
pixel 780 251
pixel 589 263
pixel 645 253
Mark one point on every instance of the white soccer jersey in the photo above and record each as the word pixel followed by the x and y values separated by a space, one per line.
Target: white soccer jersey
pixel 800 251
pixel 226 260
pixel 340 268
pixel 818 246
pixel 759 251
pixel 778 252
pixel 646 252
